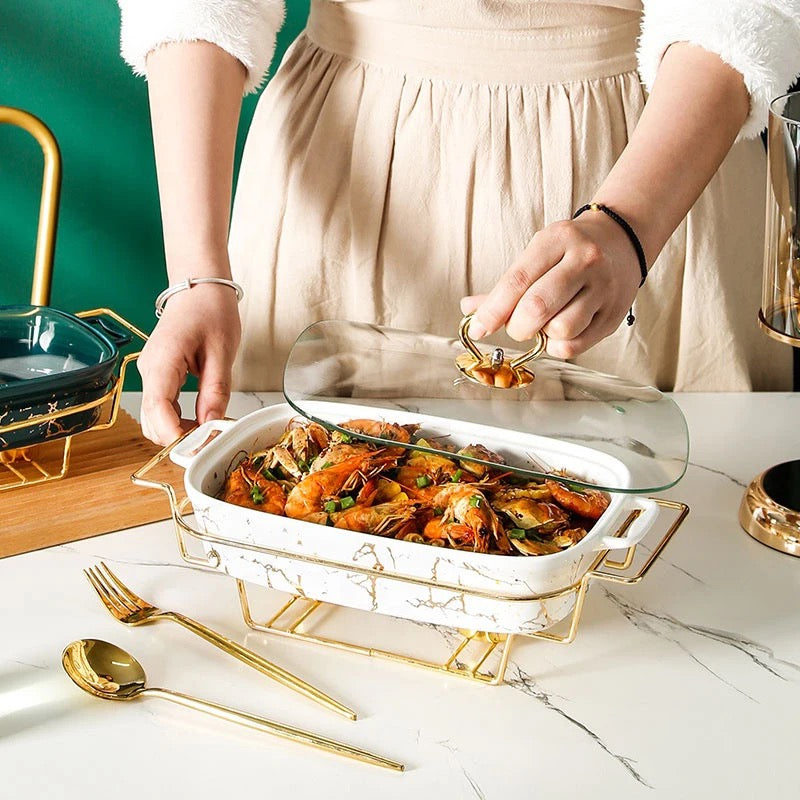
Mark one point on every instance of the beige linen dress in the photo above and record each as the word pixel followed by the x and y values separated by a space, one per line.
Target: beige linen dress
pixel 405 153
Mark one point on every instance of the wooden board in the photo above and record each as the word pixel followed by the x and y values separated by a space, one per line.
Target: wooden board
pixel 95 497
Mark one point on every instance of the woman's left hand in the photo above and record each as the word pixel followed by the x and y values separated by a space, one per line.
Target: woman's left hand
pixel 575 281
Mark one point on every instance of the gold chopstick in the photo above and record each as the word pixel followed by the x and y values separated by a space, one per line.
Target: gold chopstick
pixel 268 668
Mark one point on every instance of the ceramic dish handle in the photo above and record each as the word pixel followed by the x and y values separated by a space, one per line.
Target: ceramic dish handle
pixel 185 450
pixel 637 530
pixel 118 335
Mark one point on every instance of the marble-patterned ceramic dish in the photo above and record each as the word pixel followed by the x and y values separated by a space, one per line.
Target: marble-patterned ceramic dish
pixel 417 581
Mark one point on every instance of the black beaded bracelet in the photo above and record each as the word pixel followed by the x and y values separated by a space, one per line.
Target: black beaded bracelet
pixel 631 234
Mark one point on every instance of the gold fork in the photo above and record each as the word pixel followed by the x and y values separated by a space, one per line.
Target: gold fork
pixel 130 609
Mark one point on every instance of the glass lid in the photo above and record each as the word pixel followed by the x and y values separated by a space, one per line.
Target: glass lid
pixel 538 416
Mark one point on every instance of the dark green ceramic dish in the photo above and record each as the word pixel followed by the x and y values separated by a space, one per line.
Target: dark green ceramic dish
pixel 51 361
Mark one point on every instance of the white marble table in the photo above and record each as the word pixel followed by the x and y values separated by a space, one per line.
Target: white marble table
pixel 687 685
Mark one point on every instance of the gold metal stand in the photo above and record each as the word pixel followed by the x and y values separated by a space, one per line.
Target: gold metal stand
pixel 29 472
pixel 474 648
pixel 297 617
pixel 48 207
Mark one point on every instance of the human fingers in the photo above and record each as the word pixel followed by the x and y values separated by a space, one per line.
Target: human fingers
pixel 547 297
pixel 469 303
pixel 546 249
pixel 601 325
pixel 161 421
pixel 574 318
pixel 214 388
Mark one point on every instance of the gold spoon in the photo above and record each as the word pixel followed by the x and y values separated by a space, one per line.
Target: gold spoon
pixel 105 670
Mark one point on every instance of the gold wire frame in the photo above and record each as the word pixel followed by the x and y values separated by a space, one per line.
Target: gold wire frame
pixel 34 472
pixel 48 206
pixel 295 617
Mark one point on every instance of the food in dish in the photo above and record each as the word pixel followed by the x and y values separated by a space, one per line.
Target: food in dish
pixel 442 499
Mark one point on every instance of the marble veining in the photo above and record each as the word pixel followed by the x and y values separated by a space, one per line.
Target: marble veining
pixel 761 655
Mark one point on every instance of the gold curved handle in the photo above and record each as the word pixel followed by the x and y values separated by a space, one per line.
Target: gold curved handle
pixel 539 347
pixel 466 339
pixel 48 207
pixel 494 369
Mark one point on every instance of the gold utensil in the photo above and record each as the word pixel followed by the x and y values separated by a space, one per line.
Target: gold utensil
pixel 130 609
pixel 105 670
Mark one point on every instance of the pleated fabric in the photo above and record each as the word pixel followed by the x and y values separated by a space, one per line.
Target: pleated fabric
pixel 396 163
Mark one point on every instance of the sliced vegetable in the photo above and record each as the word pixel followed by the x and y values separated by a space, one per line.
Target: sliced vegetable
pixel 256 495
pixel 269 474
pixel 516 533
pixel 423 481
pixel 330 506
pixel 347 502
pixel 457 475
pixel 476 501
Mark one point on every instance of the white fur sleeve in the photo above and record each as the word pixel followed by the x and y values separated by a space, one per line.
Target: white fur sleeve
pixel 244 28
pixel 759 38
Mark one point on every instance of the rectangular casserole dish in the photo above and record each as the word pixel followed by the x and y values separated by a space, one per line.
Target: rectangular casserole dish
pixel 488 592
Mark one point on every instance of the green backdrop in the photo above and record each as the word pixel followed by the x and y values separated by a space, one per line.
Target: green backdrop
pixel 59 59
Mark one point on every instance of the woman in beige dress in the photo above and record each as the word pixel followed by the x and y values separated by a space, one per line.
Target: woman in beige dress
pixel 412 160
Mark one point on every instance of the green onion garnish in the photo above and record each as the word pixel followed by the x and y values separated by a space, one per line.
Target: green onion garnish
pixel 268 474
pixel 516 533
pixel 475 501
pixel 330 506
pixel 457 475
pixel 347 502
pixel 256 495
pixel 438 511
pixel 423 481
pixel 346 437
pixel 302 464
pixel 327 464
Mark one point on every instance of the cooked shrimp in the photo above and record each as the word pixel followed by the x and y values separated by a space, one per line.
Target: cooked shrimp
pixel 587 503
pixel 466 505
pixel 309 496
pixel 247 486
pixel 430 466
pixel 456 534
pixel 381 430
pixel 337 452
pixel 385 519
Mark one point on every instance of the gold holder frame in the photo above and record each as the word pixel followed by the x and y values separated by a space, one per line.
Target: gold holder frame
pixel 109 403
pixel 297 627
pixel 48 207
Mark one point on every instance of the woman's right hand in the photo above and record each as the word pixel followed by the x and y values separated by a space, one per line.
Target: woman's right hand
pixel 198 334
